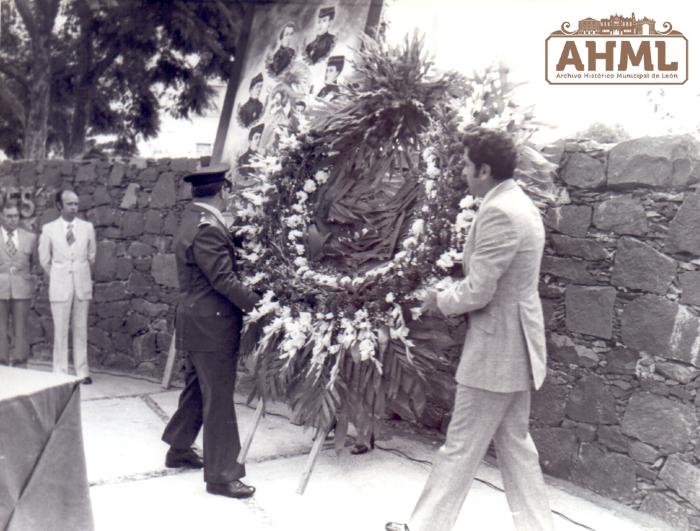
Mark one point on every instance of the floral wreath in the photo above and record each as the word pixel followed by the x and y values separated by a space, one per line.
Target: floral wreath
pixel 343 343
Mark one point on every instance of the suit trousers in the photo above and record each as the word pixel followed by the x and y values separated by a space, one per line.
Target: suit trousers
pixel 19 309
pixel 61 313
pixel 207 400
pixel 481 416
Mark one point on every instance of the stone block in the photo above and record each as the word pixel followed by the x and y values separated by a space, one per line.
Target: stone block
pixel 681 373
pixel 690 287
pixel 139 250
pixel 183 166
pixel 148 175
pixel 667 509
pixel 113 309
pixel 660 421
pixel 567 268
pixel 641 267
pixel 581 247
pixel 131 197
pixel 622 361
pixel 590 310
pixel 557 448
pixel 86 173
pixel 684 229
pixel 139 284
pixel 574 220
pixel 136 323
pixel 562 349
pixel 101 196
pixel 611 437
pixel 171 224
pixel 683 478
pixel 657 162
pixel 154 222
pixel 100 339
pixel 548 404
pixel 643 452
pixel 102 216
pixel 592 401
pixel 119 361
pixel 145 347
pixel 150 309
pixel 164 194
pixel 610 475
pixel 132 224
pixel 622 215
pixel 583 171
pixel 105 261
pixel 116 175
pixel 661 327
pixel 164 271
pixel 124 269
pixel 108 292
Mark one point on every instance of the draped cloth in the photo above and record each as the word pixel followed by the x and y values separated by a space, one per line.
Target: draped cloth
pixel 43 476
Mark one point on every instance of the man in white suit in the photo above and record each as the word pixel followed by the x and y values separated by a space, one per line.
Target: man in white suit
pixel 66 252
pixel 17 255
pixel 504 354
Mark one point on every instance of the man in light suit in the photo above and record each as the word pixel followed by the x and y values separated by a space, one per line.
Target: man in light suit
pixel 17 255
pixel 66 252
pixel 504 354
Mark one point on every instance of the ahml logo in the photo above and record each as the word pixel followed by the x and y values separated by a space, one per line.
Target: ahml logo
pixel 616 51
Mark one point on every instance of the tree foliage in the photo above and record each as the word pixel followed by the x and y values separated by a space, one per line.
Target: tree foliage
pixel 110 67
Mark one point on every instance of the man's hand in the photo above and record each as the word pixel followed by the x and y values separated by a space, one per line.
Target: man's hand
pixel 429 306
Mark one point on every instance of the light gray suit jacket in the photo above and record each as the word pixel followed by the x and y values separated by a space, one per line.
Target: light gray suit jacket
pixel 68 266
pixel 15 271
pixel 504 350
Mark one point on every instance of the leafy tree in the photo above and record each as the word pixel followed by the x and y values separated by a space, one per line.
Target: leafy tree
pixel 604 133
pixel 108 67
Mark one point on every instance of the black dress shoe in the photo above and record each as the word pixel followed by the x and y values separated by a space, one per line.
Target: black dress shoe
pixel 393 526
pixel 235 489
pixel 176 458
pixel 86 381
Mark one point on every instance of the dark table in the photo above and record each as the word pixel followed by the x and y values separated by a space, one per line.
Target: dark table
pixel 43 478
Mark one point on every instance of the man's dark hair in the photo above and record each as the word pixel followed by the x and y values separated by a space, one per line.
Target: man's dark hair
pixel 58 198
pixel 495 148
pixel 10 203
pixel 209 189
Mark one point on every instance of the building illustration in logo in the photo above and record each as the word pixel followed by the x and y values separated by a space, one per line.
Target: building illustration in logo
pixel 616 50
pixel 616 25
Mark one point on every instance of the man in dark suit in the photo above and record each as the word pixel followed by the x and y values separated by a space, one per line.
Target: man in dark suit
pixel 321 46
pixel 17 254
pixel 208 324
pixel 333 69
pixel 252 109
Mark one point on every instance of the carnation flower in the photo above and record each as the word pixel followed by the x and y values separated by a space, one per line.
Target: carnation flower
pixel 310 186
pixel 321 176
pixel 389 297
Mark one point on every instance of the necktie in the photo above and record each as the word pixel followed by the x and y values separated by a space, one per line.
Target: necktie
pixel 70 237
pixel 11 249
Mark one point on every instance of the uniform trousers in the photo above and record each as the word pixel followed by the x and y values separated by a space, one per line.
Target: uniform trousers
pixel 207 401
pixel 61 313
pixel 481 416
pixel 19 309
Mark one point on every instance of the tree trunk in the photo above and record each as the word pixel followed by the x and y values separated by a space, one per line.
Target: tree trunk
pixel 36 124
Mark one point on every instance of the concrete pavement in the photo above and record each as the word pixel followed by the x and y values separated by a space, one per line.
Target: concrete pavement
pixel 123 418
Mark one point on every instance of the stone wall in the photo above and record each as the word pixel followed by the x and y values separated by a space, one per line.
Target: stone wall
pixel 621 291
pixel 136 210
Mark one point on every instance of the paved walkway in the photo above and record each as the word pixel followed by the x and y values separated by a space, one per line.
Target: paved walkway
pixel 123 418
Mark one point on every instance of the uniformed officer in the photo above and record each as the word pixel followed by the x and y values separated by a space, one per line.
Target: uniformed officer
pixel 321 46
pixel 210 309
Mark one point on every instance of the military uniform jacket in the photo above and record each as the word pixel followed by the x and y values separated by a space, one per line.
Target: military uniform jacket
pixel 15 270
pixel 212 297
pixel 281 60
pixel 250 111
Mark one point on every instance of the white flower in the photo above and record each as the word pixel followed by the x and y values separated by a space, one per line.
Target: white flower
pixel 310 186
pixel 467 202
pixel 299 249
pixel 296 207
pixel 294 221
pixel 252 257
pixel 389 298
pixel 345 280
pixel 300 261
pixel 418 227
pixel 366 349
pixel 416 312
pixel 321 176
pixel 295 234
pixel 302 196
pixel 445 261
